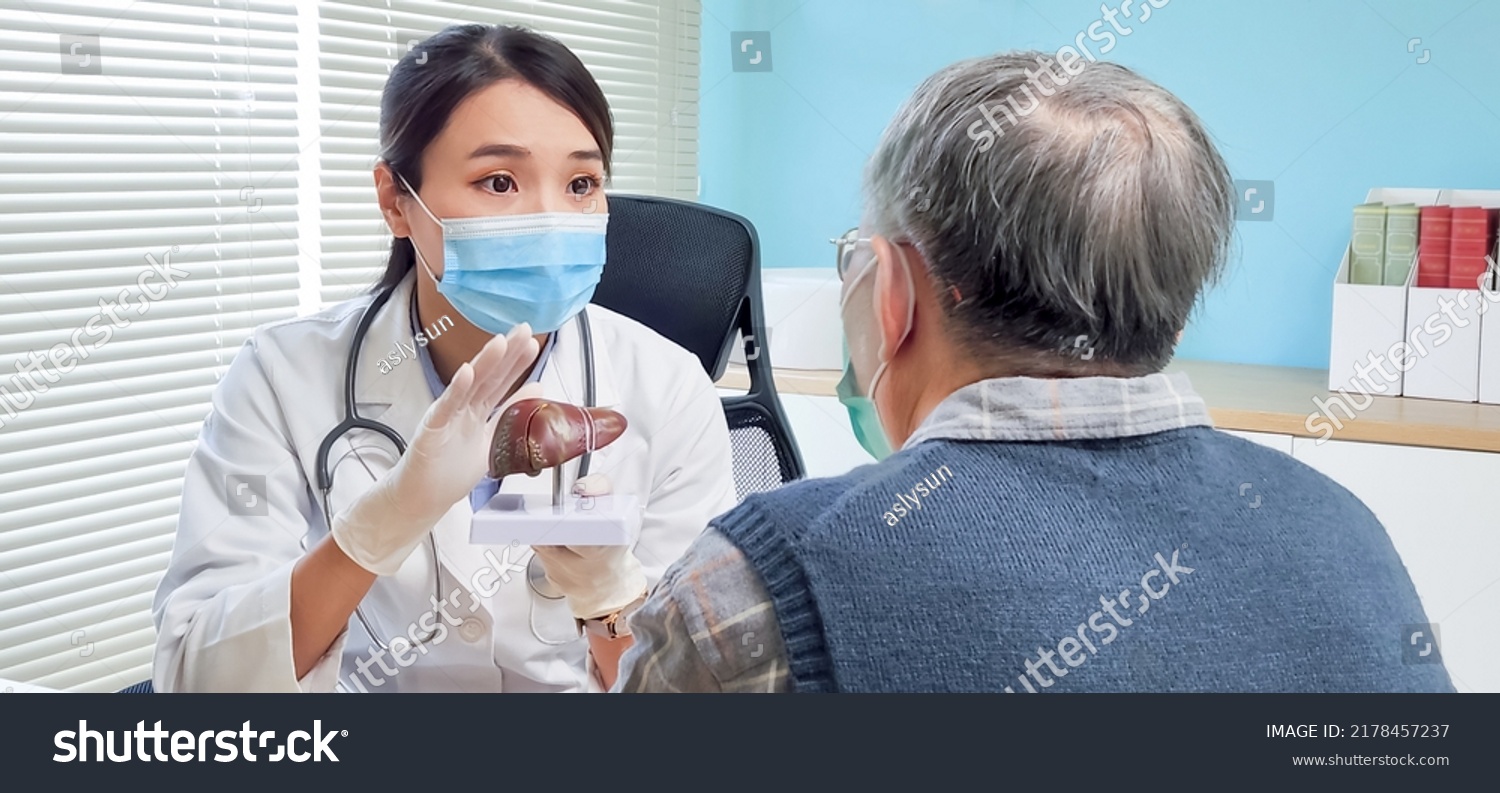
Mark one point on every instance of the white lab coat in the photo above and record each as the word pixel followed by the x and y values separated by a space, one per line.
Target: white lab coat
pixel 222 609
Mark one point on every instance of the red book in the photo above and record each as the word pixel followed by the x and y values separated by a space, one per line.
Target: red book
pixel 1434 246
pixel 1471 242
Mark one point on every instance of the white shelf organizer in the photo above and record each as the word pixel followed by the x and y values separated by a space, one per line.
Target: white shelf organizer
pixel 1369 320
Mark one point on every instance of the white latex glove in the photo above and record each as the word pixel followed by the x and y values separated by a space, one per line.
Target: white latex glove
pixel 444 461
pixel 596 579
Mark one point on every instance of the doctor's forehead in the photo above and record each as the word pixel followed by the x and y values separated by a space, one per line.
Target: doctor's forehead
pixel 511 120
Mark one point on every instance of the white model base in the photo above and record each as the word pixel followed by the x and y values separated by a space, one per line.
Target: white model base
pixel 531 519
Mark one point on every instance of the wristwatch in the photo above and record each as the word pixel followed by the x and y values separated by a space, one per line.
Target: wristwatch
pixel 612 625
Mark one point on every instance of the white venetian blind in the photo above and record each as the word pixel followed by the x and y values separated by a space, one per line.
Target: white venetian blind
pixel 644 53
pixel 130 131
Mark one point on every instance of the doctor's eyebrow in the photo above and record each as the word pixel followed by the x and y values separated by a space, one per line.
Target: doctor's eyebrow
pixel 512 150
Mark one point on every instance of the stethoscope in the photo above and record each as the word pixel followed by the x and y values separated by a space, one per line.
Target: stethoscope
pixel 536 577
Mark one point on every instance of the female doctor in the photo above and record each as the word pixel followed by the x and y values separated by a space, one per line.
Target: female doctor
pixel 496 143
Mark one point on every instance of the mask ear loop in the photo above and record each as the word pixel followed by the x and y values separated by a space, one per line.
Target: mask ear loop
pixel 418 198
pixel 420 258
pixel 911 306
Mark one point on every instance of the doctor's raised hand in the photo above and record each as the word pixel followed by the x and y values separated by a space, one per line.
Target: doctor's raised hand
pixel 381 528
pixel 447 458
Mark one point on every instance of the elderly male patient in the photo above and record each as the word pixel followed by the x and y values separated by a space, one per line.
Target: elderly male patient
pixel 1060 515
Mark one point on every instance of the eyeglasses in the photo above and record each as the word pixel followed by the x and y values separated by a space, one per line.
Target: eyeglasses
pixel 846 245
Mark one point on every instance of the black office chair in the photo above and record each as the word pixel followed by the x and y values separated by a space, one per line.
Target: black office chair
pixel 143 687
pixel 692 274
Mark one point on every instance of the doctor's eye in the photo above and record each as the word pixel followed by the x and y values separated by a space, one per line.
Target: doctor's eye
pixel 500 183
pixel 583 185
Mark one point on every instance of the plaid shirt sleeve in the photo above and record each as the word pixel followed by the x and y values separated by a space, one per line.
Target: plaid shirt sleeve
pixel 708 626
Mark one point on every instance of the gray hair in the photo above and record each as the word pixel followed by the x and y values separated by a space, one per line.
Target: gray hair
pixel 1096 209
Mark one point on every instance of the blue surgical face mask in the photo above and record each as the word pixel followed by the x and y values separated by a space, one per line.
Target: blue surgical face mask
pixel 500 271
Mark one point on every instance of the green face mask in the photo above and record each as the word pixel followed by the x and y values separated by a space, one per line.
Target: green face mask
pixel 862 414
pixel 861 406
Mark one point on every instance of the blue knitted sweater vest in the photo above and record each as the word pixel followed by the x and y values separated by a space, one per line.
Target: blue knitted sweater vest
pixel 1186 560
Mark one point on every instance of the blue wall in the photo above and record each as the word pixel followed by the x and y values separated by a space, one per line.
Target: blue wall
pixel 1321 97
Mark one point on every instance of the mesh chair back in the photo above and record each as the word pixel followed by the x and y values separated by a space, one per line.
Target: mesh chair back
pixel 680 269
pixel 764 458
pixel 692 274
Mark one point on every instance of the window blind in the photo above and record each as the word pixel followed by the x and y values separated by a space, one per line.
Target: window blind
pixel 148 160
pixel 208 161
pixel 644 53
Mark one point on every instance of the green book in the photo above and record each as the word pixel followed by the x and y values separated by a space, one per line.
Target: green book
pixel 1367 247
pixel 1401 224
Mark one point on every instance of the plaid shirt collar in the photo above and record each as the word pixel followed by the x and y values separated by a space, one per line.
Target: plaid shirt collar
pixel 1084 408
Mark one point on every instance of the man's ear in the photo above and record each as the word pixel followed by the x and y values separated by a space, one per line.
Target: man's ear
pixel 894 296
pixel 388 190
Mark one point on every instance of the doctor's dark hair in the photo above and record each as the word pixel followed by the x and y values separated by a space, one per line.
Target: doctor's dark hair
pixel 437 75
pixel 1069 218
